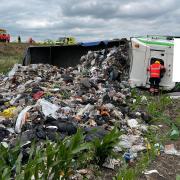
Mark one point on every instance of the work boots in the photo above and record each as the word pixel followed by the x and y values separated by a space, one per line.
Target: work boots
pixel 151 90
pixel 156 91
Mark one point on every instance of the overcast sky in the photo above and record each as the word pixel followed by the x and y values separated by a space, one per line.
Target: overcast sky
pixel 89 19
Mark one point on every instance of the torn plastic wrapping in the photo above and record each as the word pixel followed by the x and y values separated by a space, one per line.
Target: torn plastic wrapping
pixel 22 117
pixel 13 71
pixel 48 108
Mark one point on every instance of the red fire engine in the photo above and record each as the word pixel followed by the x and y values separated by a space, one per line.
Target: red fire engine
pixel 4 37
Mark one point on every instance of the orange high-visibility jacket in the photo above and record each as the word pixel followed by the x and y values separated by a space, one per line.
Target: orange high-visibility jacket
pixel 155 70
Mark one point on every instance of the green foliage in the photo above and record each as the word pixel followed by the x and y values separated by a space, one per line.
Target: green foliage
pixel 155 140
pixel 177 87
pixel 55 160
pixel 10 54
pixel 104 148
pixel 65 94
pixel 177 177
pixel 132 173
pixel 177 121
pixel 137 96
pixel 6 63
pixel 51 160
pixel 174 134
pixel 157 106
pixel 126 174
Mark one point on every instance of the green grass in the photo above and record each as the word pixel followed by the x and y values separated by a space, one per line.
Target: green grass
pixel 6 63
pixel 10 54
pixel 144 159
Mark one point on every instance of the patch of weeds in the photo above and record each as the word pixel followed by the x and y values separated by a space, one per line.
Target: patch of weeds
pixel 6 63
pixel 104 148
pixel 143 161
pixel 138 100
pixel 65 94
pixel 174 133
pixel 177 87
pixel 49 161
pixel 156 107
pixel 177 121
pixel 177 177
pixel 132 173
pixel 56 160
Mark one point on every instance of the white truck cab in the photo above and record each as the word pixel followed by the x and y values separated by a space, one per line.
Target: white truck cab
pixel 143 51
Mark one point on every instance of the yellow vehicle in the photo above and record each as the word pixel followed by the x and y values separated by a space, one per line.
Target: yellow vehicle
pixel 66 41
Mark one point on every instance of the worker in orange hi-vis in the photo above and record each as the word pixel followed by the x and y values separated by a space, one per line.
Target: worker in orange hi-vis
pixel 155 70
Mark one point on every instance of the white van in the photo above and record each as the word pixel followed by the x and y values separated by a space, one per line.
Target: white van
pixel 146 49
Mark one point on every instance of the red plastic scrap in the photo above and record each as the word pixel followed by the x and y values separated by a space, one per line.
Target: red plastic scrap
pixel 38 95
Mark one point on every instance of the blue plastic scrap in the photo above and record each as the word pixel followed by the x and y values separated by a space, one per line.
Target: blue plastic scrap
pixel 95 43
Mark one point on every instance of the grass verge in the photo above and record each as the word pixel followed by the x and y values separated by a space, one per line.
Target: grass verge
pixel 157 108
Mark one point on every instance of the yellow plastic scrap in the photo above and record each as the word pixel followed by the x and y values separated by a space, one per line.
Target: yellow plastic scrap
pixel 148 146
pixel 8 113
pixel 6 103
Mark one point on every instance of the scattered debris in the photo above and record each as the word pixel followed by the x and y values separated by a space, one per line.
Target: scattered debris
pixel 170 149
pixel 151 171
pixel 110 163
pixel 174 135
pixel 40 102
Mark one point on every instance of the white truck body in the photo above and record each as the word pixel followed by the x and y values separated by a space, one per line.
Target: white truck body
pixel 142 50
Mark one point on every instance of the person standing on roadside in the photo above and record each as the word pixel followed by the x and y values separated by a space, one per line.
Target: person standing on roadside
pixel 19 39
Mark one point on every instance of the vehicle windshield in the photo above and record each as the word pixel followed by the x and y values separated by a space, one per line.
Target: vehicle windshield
pixel 2 31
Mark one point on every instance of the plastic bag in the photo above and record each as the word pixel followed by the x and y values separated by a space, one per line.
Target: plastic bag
pixel 132 123
pixel 13 71
pixel 21 119
pixel 174 133
pixel 170 149
pixel 48 108
pixel 8 113
pixel 87 109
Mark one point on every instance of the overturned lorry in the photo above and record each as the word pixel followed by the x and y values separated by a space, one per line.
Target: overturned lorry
pixel 65 56
pixel 144 51
pixel 141 52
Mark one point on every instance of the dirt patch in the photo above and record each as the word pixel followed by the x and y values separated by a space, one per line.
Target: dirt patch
pixel 168 167
pixel 108 174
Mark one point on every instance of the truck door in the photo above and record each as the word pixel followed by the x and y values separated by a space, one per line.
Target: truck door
pixel 159 54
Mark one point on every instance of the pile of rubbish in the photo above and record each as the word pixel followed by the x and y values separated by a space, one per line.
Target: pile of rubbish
pixel 40 101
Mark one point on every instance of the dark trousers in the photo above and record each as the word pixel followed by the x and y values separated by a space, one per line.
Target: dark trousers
pixel 154 83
